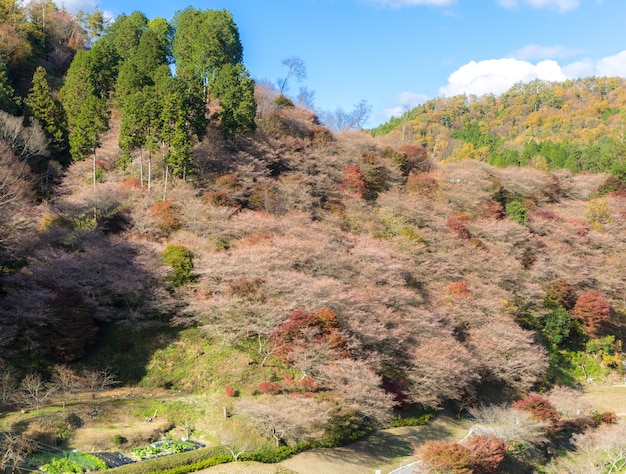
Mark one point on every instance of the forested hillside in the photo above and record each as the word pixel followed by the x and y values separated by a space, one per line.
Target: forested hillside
pixel 576 125
pixel 170 225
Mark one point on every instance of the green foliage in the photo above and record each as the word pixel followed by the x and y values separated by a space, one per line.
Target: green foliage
pixel 235 90
pixel 180 259
pixel 557 325
pixel 283 101
pixel 412 420
pixel 517 211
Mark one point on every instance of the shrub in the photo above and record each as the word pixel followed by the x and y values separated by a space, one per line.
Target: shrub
pixel 426 184
pixel 230 391
pixel 517 212
pixel 269 387
pixel 458 224
pixel 181 260
pixel 354 181
pixel 459 290
pixel 541 409
pixel 118 440
pixel 283 101
pixel 487 453
pixel 166 215
pixel 593 310
pixel 447 457
pixel 597 214
pixel 559 294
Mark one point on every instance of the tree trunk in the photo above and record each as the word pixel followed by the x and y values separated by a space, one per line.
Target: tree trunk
pixel 167 169
pixel 141 166
pixel 149 172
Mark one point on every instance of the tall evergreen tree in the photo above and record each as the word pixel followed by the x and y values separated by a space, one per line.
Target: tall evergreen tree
pixel 49 112
pixel 204 42
pixel 235 89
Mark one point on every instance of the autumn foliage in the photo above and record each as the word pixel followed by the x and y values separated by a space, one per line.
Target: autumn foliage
pixel 477 455
pixel 353 180
pixel 593 310
pixel 302 328
pixel 541 409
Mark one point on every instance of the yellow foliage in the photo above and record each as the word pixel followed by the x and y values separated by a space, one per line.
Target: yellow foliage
pixel 597 214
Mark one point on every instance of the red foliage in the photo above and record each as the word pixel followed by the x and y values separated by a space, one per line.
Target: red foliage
pixel 487 453
pixel 353 180
pixel 480 455
pixel 129 184
pixel 541 409
pixel 166 214
pixel 414 151
pixel 593 310
pixel 609 417
pixel 307 384
pixel 448 457
pixel 323 325
pixel 460 290
pixel 230 391
pixel 458 224
pixel 269 387
pixel 492 209
pixel 425 184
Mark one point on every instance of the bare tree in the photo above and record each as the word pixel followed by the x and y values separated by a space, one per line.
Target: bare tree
pixel 238 439
pixel 13 450
pixel 96 381
pixel 341 120
pixel 34 391
pixel 295 68
pixel 515 426
pixel 25 142
pixel 286 419
pixel 8 382
pixel 65 381
pixel 360 387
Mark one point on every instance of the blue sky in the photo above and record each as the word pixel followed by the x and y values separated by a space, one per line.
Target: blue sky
pixel 399 53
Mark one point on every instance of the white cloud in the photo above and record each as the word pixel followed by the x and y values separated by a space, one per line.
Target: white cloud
pixel 558 5
pixel 535 51
pixel 612 65
pixel 497 75
pixel 411 3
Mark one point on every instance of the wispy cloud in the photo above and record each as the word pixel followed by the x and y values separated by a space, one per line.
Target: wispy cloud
pixel 537 52
pixel 76 5
pixel 410 3
pixel 558 5
pixel 403 102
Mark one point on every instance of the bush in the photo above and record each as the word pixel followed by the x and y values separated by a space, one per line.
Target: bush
pixel 559 294
pixel 181 260
pixel 446 457
pixel 517 212
pixel 541 409
pixel 166 215
pixel 230 391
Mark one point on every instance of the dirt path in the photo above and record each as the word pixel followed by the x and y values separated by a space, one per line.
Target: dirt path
pixel 384 450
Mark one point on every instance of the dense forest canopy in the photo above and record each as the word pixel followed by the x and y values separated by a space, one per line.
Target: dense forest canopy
pixel 167 219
